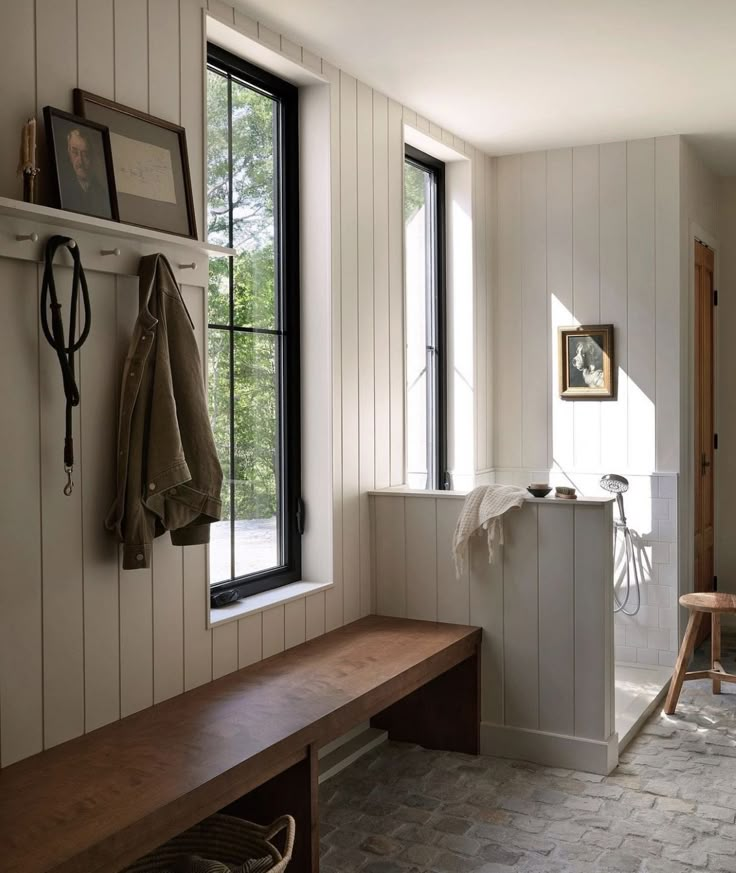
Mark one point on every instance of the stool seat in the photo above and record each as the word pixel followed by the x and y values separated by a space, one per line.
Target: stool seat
pixel 716 603
pixel 709 601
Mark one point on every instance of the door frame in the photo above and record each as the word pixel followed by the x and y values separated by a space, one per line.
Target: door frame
pixel 686 531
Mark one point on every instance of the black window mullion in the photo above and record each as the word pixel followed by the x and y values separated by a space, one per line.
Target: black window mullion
pixel 231 309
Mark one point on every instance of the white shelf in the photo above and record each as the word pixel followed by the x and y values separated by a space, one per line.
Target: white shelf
pixel 70 221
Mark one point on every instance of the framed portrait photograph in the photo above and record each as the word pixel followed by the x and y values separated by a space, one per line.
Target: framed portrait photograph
pixel 150 165
pixel 586 362
pixel 81 164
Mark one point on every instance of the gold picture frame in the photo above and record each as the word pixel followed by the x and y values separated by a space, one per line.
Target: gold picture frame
pixel 586 362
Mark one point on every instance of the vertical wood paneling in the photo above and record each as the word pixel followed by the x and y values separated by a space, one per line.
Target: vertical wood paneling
pixel 349 347
pixel 131 53
pixel 163 59
pixel 382 378
pixel 250 640
pixel 21 646
pixel 390 556
pixel 295 623
pixel 366 388
pixel 396 288
pixel 487 609
pixel 534 363
pixel 521 619
pixel 334 596
pixel 559 290
pixel 586 290
pixel 453 594
pixel 421 558
pixel 667 303
pixel 315 615
pixel 592 563
pixel 95 40
pixel 556 620
pixel 491 243
pixel 96 447
pixel 614 294
pixel 642 288
pixel 17 65
pixel 191 94
pixel 273 631
pixel 508 437
pixel 224 649
pixel 136 591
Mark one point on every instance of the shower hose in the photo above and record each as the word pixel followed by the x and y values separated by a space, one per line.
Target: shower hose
pixel 622 605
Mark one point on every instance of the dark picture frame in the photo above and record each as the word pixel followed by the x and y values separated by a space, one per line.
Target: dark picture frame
pixel 80 162
pixel 150 164
pixel 587 363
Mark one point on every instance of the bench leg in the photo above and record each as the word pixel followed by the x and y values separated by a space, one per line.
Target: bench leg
pixel 715 649
pixel 683 659
pixel 443 714
pixel 293 792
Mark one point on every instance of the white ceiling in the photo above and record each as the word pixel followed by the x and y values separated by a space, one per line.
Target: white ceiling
pixel 520 75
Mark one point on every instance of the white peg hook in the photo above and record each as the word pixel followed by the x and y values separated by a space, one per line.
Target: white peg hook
pixel 115 252
pixel 192 266
pixel 27 237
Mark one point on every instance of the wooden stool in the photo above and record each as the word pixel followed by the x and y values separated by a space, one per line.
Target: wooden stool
pixel 698 604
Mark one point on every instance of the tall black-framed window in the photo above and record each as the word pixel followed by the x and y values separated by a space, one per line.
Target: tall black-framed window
pixel 425 289
pixel 253 321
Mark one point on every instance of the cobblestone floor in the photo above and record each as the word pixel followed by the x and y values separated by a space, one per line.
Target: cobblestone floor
pixel 669 807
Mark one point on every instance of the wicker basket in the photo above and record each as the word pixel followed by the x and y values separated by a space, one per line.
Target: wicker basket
pixel 233 844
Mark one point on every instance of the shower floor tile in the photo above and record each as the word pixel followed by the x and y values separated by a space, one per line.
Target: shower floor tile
pixel 639 688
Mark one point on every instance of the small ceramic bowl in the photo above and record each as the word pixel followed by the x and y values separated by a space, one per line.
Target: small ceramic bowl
pixel 539 489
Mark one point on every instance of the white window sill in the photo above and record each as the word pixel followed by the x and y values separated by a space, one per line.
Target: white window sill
pixel 265 600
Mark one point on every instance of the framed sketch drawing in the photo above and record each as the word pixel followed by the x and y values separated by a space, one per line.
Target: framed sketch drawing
pixel 150 164
pixel 81 164
pixel 586 362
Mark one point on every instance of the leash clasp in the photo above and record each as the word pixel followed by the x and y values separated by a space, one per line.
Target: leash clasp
pixel 69 487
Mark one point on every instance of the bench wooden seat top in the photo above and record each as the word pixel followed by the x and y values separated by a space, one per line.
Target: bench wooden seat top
pixel 98 802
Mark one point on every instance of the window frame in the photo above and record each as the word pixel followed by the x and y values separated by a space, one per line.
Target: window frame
pixel 436 168
pixel 286 285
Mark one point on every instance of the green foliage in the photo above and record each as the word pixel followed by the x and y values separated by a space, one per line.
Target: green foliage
pixel 415 191
pixel 254 356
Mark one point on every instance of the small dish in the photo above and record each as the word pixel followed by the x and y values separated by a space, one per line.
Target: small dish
pixel 539 489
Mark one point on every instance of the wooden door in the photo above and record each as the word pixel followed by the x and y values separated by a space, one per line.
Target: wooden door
pixel 704 419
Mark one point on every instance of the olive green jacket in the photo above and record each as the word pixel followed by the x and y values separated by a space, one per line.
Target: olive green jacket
pixel 168 474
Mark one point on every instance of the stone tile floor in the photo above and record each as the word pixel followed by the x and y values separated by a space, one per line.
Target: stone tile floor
pixel 669 807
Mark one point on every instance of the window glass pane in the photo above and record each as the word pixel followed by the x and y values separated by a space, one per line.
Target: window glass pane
pixel 218 398
pixel 218 161
pixel 256 452
pixel 254 175
pixel 418 284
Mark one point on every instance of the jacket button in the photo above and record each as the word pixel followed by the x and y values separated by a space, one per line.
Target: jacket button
pixel 151 486
pixel 139 557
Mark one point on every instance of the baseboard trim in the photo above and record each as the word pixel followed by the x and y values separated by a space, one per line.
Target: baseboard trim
pixel 552 750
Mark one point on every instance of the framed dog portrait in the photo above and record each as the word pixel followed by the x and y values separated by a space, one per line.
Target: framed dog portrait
pixel 586 362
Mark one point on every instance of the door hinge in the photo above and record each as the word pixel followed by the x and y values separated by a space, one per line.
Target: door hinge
pixel 301 513
pixel 715 583
pixel 715 297
pixel 715 440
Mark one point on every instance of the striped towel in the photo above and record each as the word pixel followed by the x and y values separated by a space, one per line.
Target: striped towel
pixel 483 510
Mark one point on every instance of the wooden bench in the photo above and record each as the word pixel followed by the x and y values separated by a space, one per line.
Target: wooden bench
pixel 246 744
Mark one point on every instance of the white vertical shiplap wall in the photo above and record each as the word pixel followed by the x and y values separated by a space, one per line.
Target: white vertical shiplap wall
pixel 545 607
pixel 86 644
pixel 588 235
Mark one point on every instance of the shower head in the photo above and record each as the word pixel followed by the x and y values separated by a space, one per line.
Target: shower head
pixel 614 483
pixel 617 485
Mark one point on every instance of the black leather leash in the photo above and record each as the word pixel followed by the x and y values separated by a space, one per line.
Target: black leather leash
pixel 65 349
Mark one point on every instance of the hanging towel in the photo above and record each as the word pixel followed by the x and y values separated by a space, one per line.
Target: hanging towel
pixel 483 510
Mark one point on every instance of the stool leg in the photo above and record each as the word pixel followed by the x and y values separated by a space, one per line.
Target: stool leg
pixel 683 659
pixel 715 648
